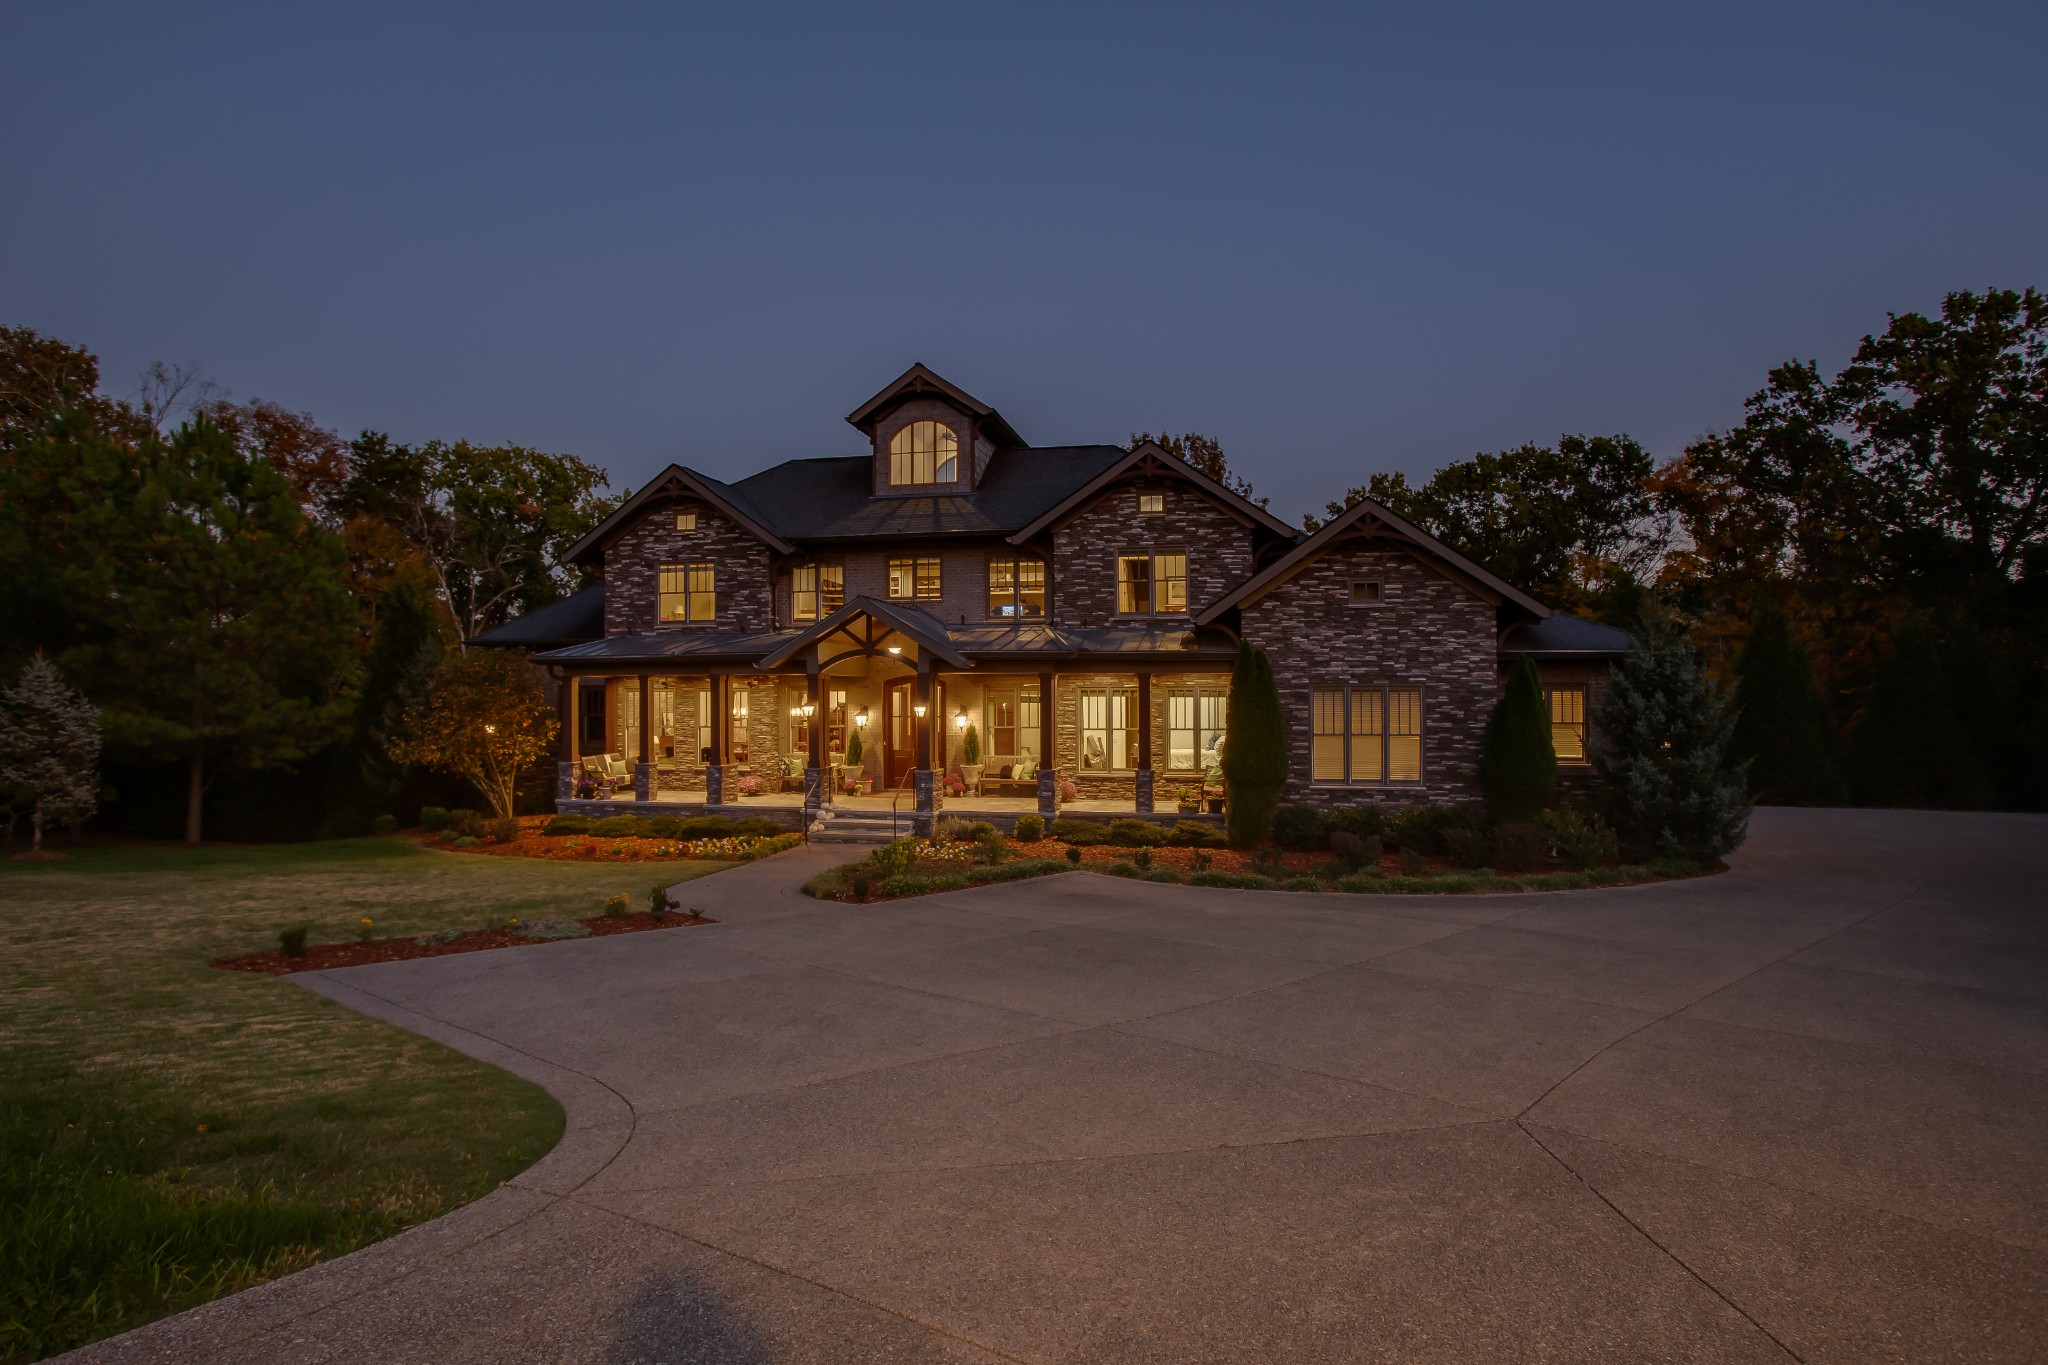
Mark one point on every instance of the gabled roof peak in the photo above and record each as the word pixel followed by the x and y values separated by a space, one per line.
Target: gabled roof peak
pixel 920 381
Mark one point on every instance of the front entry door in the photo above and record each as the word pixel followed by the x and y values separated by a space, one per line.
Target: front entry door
pixel 899 734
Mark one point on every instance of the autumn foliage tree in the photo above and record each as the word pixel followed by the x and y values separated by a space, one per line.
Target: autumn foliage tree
pixel 483 719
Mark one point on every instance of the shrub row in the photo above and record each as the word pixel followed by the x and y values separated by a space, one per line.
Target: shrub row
pixel 664 827
pixel 1135 833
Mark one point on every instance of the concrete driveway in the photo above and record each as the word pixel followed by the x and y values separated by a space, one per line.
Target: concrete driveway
pixel 1796 1112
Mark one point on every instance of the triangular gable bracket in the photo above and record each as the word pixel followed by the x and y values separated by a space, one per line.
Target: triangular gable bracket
pixel 673 482
pixel 1150 460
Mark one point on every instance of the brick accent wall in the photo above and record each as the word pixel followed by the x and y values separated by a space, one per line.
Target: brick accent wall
pixel 1427 632
pixel 1086 546
pixel 632 571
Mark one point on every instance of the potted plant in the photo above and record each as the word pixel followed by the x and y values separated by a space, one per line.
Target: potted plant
pixel 1188 800
pixel 970 758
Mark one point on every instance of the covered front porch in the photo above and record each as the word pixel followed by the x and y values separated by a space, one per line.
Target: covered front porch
pixel 881 708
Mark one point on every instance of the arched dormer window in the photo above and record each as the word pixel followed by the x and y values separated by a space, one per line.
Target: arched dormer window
pixel 924 452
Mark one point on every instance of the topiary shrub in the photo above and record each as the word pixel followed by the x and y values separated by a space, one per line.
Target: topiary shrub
pixel 1255 757
pixel 1518 848
pixel 1195 834
pixel 1517 765
pixel 567 824
pixel 433 819
pixel 1298 827
pixel 620 827
pixel 1078 831
pixel 1030 828
pixel 1135 834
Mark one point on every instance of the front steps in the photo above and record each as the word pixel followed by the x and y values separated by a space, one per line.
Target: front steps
pixel 862 827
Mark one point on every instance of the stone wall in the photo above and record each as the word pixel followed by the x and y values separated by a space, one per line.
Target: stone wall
pixel 1427 633
pixel 632 571
pixel 1120 783
pixel 1086 546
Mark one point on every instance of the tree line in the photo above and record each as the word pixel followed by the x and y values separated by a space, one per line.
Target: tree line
pixel 1863 556
pixel 240 590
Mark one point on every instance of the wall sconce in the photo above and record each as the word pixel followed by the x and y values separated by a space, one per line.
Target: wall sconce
pixel 895 649
pixel 919 709
pixel 860 717
pixel 796 712
pixel 960 719
pixel 810 708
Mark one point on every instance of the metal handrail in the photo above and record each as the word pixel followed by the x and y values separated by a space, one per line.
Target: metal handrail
pixel 901 787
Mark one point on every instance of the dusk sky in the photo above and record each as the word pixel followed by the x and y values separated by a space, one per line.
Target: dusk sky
pixel 1340 239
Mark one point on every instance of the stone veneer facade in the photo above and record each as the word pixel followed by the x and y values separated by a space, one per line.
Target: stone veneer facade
pixel 1428 633
pixel 632 572
pixel 1086 546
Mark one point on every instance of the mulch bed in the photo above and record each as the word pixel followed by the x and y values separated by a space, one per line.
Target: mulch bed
pixel 321 956
pixel 578 848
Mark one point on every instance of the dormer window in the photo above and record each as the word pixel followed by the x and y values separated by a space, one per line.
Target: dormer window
pixel 924 452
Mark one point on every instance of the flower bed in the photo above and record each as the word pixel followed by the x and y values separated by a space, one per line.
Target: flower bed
pixel 514 934
pixel 928 866
pixel 532 842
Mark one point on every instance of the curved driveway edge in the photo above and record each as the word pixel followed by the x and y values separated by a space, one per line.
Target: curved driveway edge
pixel 1790 1113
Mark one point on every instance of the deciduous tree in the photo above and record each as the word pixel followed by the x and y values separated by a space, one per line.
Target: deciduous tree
pixel 1781 728
pixel 484 719
pixel 1204 453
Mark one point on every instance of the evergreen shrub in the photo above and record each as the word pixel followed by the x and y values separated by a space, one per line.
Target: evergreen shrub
pixel 1517 766
pixel 433 819
pixel 1255 758
pixel 567 824
pixel 1136 834
pixel 1581 841
pixel 1467 848
pixel 1364 821
pixel 1030 828
pixel 620 827
pixel 1194 834
pixel 1073 830
pixel 1518 848
pixel 1298 827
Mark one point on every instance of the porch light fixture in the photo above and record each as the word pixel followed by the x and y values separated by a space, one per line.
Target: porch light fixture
pixel 810 707
pixel 960 719
pixel 796 712
pixel 919 709
pixel 895 649
pixel 860 717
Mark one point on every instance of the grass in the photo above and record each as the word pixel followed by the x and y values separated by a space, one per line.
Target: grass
pixel 170 1132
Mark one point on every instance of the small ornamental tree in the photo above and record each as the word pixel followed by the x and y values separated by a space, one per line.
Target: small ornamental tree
pixel 1517 765
pixel 483 718
pixel 1781 730
pixel 970 747
pixel 854 752
pixel 1910 748
pixel 1672 787
pixel 49 748
pixel 1255 754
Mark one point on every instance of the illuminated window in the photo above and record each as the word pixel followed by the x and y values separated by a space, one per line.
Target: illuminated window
pixel 688 592
pixel 1366 592
pixel 1151 502
pixel 1365 734
pixel 739 726
pixel 1151 583
pixel 1013 722
pixel 686 521
pixel 1194 728
pixel 924 452
pixel 816 591
pixel 703 725
pixel 1568 723
pixel 1109 733
pixel 1016 589
pixel 914 577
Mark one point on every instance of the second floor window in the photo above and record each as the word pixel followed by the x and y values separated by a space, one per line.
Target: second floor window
pixel 1151 582
pixel 914 577
pixel 1016 589
pixel 816 591
pixel 688 592
pixel 924 452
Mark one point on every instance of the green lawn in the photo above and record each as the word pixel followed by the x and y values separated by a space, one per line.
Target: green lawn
pixel 170 1132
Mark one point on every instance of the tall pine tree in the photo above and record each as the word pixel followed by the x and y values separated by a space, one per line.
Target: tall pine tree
pixel 1781 729
pixel 1673 788
pixel 1517 763
pixel 1255 754
pixel 1911 750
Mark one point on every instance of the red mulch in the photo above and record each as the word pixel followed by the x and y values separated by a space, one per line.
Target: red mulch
pixel 577 848
pixel 320 956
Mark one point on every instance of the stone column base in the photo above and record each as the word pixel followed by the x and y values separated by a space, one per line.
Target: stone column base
pixel 643 781
pixel 1048 792
pixel 1144 791
pixel 565 781
pixel 714 784
pixel 925 801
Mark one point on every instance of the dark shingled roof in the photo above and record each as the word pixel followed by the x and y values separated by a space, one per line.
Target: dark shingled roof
pixel 830 499
pixel 620 649
pixel 577 617
pixel 1563 636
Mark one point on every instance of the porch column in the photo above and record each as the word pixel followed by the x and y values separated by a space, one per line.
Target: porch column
pixel 643 771
pixel 814 728
pixel 1144 774
pixel 1048 748
pixel 924 790
pixel 565 746
pixel 714 766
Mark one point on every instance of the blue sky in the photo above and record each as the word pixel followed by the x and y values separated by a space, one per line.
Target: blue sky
pixel 1340 238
